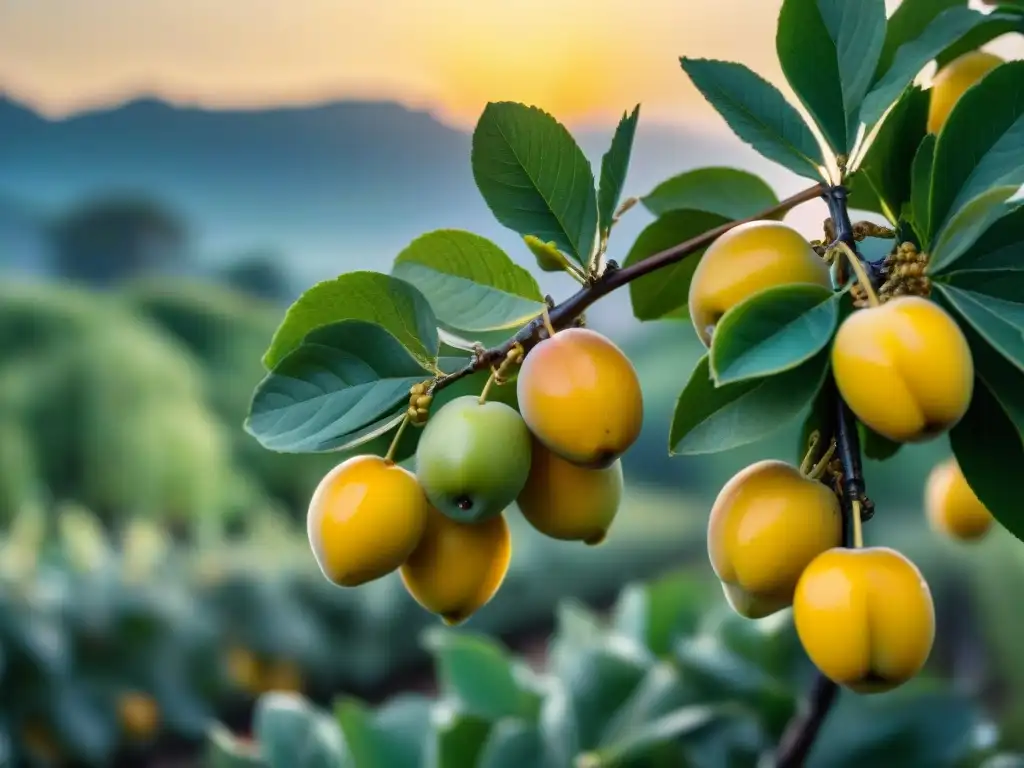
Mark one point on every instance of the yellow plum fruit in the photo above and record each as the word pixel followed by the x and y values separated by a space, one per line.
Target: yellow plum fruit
pixel 950 83
pixel 580 397
pixel 458 567
pixel 366 517
pixel 565 501
pixel 904 368
pixel 745 261
pixel 865 617
pixel 952 507
pixel 768 522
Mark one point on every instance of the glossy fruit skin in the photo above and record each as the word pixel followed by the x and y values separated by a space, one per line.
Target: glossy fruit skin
pixel 951 506
pixel 865 617
pixel 766 525
pixel 581 398
pixel 366 517
pixel 950 83
pixel 904 368
pixel 458 567
pixel 473 458
pixel 744 261
pixel 568 502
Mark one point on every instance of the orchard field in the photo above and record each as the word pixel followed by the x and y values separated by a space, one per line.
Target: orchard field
pixel 430 516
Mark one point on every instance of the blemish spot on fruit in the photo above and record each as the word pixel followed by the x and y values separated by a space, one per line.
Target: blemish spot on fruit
pixel 464 503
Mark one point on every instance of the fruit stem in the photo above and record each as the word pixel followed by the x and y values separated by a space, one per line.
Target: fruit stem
pixel 812 445
pixel 546 315
pixel 859 271
pixel 389 457
pixel 858 527
pixel 614 277
pixel 819 469
pixel 487 387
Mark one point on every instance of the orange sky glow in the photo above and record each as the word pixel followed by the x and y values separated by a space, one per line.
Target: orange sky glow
pixel 583 60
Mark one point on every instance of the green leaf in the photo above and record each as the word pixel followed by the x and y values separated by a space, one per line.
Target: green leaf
pixel 988 442
pixel 905 729
pixel 1006 284
pixel 512 744
pixel 876 447
pixel 907 23
pixel 668 729
pixel 727 192
pixel 709 419
pixel 829 50
pixel 662 690
pixel 771 644
pixel 945 29
pixel 394 737
pixel 82 723
pixel 735 739
pixel 405 720
pixel 365 747
pixel 656 613
pixel 476 673
pixel 1001 247
pixel 223 750
pixel 773 331
pixel 293 734
pixel 458 740
pixel 981 145
pixel 598 679
pixel 999 322
pixel 576 626
pixel 967 227
pixel 665 293
pixel 1004 760
pixel 614 166
pixel 370 296
pixel 535 178
pixel 882 182
pixel 719 675
pixel 1008 20
pixel 921 188
pixel 557 726
pixel 471 284
pixel 817 419
pixel 334 390
pixel 758 113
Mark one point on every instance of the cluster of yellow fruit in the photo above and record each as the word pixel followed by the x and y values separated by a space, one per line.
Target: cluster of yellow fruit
pixel 864 615
pixel 444 528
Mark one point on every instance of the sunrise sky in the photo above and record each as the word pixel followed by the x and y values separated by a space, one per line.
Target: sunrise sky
pixel 584 60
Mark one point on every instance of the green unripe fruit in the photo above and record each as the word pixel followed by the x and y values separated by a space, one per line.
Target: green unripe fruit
pixel 473 459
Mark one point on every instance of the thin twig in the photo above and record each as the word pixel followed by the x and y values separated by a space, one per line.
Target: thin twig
pixel 563 315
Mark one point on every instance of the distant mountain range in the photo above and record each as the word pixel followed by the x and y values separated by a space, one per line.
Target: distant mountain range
pixel 338 186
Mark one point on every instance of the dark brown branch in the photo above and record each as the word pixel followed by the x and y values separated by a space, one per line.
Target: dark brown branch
pixel 563 315
pixel 802 731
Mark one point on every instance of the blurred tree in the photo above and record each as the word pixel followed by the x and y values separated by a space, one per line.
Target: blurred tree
pixel 106 240
pixel 259 273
